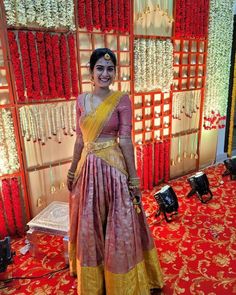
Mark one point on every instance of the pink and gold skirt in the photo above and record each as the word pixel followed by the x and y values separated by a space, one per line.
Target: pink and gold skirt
pixel 110 249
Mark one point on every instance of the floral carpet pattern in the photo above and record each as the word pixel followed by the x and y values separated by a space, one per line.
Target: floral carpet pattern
pixel 197 249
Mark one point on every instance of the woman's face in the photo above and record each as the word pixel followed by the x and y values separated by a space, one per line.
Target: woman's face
pixel 103 73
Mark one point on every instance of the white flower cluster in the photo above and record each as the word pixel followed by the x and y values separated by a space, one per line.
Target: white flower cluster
pixel 42 122
pixel 153 64
pixel 218 60
pixel 185 102
pixel 9 162
pixel 45 13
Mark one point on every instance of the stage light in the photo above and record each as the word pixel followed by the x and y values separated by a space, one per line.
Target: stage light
pixel 230 165
pixel 5 254
pixel 200 186
pixel 167 201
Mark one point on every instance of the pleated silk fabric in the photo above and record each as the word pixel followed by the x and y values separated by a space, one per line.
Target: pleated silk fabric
pixel 111 249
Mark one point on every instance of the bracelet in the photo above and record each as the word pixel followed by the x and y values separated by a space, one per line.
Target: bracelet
pixel 70 175
pixel 134 181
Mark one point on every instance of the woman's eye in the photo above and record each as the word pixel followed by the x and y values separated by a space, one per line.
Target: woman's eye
pixel 99 69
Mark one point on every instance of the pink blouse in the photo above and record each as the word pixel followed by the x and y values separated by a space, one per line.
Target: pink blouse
pixel 119 124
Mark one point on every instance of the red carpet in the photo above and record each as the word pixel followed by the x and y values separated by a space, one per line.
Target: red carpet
pixel 197 250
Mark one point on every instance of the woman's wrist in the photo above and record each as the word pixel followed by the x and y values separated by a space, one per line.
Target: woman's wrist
pixel 70 175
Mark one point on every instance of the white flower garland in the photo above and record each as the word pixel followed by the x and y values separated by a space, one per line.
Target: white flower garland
pixel 153 65
pixel 4 164
pixel 45 13
pixel 42 122
pixel 218 61
pixel 187 102
pixel 9 138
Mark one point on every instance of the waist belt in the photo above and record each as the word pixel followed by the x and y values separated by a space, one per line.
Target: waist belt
pixel 90 147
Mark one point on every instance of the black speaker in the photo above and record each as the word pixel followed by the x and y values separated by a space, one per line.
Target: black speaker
pixel 230 165
pixel 200 186
pixel 167 201
pixel 5 254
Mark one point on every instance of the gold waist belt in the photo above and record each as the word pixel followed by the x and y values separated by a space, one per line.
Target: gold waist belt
pixel 91 147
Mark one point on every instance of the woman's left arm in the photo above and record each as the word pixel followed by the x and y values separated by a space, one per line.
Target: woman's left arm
pixel 126 144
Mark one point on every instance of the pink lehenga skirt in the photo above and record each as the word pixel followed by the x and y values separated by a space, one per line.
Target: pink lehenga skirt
pixel 111 250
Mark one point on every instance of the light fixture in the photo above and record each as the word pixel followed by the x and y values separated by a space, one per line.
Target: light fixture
pixel 200 186
pixel 230 165
pixel 167 201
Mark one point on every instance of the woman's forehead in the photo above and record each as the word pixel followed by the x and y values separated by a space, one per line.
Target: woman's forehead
pixel 103 62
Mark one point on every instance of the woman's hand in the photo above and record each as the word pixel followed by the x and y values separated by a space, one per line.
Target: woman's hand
pixel 136 198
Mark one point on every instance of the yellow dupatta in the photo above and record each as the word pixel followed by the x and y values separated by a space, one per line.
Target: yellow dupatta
pixel 91 126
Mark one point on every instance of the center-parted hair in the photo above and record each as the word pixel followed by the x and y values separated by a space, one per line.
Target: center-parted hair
pixel 98 53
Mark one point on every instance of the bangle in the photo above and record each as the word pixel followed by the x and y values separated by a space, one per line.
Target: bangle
pixel 70 175
pixel 134 182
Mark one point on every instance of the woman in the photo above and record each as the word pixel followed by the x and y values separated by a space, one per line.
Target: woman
pixel 110 249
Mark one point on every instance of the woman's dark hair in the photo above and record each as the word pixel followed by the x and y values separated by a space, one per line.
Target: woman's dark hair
pixel 98 53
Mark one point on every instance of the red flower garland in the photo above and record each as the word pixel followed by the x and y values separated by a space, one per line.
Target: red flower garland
pixel 81 13
pixel 51 75
pixel 15 57
pixel 121 15
pixel 150 168
pixel 73 65
pixel 16 201
pixel 6 192
pixel 57 65
pixel 191 18
pixel 161 160
pixel 156 163
pixel 139 164
pixel 108 15
pixel 88 13
pixel 167 160
pixel 96 21
pixel 145 167
pixel 115 21
pixel 127 16
pixel 42 64
pixel 64 63
pixel 3 227
pixel 102 15
pixel 34 65
pixel 26 63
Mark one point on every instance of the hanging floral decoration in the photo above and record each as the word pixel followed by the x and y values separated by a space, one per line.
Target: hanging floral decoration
pixel 73 68
pixel 105 15
pixel 12 212
pixel 191 18
pixel 47 13
pixel 25 56
pixel 153 163
pixel 16 66
pixel 65 66
pixel 34 65
pixel 57 64
pixel 3 225
pixel 48 65
pixel 186 102
pixel 7 200
pixel 8 153
pixel 218 64
pixel 42 64
pixel 42 122
pixel 153 68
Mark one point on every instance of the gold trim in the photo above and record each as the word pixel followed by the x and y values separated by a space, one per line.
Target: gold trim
pixel 139 280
